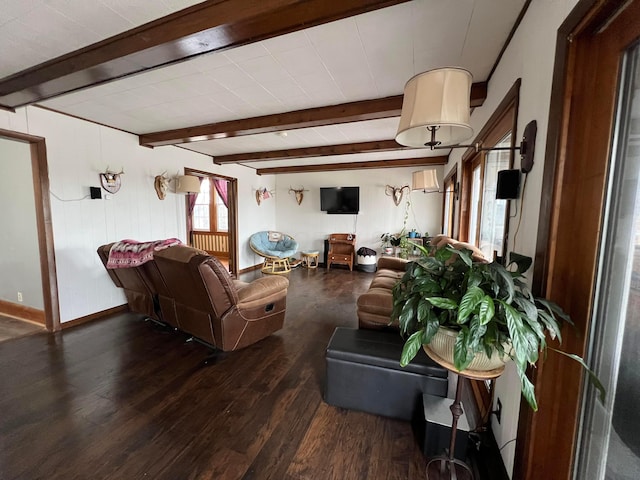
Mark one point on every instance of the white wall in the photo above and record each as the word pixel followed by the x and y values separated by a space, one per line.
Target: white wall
pixel 19 253
pixel 530 56
pixel 378 214
pixel 76 152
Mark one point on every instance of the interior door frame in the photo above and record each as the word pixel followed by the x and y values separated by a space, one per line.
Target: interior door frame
pixel 232 200
pixel 40 174
pixel 581 117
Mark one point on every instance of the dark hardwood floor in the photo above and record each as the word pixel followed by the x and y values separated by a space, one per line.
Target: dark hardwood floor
pixel 122 398
pixel 14 328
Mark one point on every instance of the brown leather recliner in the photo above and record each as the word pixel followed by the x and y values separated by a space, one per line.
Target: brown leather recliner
pixel 213 307
pixel 136 285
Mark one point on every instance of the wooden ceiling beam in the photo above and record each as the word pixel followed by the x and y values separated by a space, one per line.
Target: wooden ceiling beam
pixel 306 152
pixel 334 167
pixel 206 27
pixel 374 109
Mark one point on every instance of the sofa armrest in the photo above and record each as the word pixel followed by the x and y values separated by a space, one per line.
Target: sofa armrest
pixel 392 263
pixel 262 288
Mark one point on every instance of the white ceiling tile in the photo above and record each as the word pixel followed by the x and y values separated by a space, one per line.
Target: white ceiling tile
pixel 138 11
pixel 284 88
pixel 258 97
pixel 98 18
pixel 320 81
pixel 300 61
pixel 209 61
pixel 286 42
pixel 231 76
pixel 10 10
pixel 246 52
pixel 264 69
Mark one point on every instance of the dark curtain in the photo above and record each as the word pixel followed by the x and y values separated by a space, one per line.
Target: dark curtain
pixel 191 203
pixel 221 188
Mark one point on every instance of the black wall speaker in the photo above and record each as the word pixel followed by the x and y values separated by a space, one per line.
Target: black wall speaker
pixel 95 192
pixel 508 187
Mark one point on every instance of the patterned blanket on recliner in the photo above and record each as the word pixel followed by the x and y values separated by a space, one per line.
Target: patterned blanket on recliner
pixel 131 253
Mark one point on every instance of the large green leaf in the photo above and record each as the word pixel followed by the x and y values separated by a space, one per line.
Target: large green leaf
pixel 430 330
pixel 522 262
pixel 487 310
pixel 441 302
pixel 443 254
pixel 469 302
pixel 464 254
pixel 554 309
pixel 411 347
pixel 504 278
pixel 592 375
pixel 517 333
pixel 527 387
pixel 551 323
pixel 462 355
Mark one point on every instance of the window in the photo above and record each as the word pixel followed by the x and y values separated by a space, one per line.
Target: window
pixel 483 218
pixel 493 212
pixel 449 207
pixel 210 213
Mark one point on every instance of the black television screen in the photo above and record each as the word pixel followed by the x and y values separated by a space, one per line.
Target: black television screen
pixel 340 199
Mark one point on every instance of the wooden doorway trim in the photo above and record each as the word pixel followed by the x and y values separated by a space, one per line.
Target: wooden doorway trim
pixel 588 59
pixel 232 198
pixel 40 173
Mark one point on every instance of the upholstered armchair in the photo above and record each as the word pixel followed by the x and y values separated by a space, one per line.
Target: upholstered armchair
pixel 210 305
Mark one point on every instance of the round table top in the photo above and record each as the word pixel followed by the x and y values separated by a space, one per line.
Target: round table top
pixel 472 374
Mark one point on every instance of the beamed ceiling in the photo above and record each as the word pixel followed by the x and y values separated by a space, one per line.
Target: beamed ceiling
pixel 281 86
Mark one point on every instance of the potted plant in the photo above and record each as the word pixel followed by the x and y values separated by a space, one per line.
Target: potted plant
pixel 385 240
pixel 483 308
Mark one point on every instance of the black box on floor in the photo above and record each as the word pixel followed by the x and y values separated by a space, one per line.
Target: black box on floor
pixel 364 373
pixel 432 427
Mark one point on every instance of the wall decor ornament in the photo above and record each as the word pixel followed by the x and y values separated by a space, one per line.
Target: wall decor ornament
pixel 111 181
pixel 161 185
pixel 396 193
pixel 262 194
pixel 299 193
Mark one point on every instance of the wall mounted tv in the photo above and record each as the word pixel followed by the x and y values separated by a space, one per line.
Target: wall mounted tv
pixel 345 200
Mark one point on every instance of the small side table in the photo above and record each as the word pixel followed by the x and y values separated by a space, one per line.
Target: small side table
pixel 447 460
pixel 310 258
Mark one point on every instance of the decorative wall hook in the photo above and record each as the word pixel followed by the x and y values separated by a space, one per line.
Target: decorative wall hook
pixel 396 193
pixel 262 194
pixel 298 192
pixel 111 181
pixel 161 184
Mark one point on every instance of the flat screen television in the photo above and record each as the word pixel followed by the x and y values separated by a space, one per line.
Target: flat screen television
pixel 335 200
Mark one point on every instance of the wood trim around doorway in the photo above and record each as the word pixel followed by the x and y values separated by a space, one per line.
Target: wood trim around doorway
pixel 232 193
pixel 40 172
pixel 581 116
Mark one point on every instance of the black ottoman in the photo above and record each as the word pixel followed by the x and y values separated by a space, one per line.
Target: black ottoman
pixel 364 373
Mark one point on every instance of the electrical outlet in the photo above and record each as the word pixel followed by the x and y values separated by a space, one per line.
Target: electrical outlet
pixel 19 296
pixel 498 410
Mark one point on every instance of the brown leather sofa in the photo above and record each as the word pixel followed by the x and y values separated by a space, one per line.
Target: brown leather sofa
pixel 375 305
pixel 195 293
pixel 136 284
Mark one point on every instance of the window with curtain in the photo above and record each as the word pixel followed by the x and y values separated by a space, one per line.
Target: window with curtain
pixel 210 214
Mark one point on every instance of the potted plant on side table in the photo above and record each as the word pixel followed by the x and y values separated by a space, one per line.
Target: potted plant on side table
pixel 476 314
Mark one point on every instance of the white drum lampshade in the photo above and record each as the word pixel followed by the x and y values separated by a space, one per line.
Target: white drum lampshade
pixel 426 180
pixel 187 184
pixel 437 98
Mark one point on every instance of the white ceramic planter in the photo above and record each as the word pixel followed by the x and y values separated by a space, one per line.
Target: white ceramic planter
pixel 443 342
